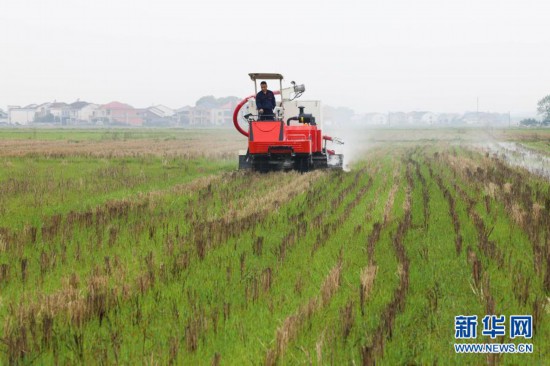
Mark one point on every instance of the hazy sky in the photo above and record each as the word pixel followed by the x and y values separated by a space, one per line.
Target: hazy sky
pixel 380 55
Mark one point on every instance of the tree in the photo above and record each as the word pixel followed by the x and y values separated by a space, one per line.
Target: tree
pixel 544 109
pixel 529 122
pixel 208 101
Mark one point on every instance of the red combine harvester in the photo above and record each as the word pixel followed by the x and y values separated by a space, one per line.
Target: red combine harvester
pixel 276 144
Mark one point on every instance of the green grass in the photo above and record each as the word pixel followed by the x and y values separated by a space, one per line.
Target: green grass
pixel 177 260
pixel 542 146
pixel 33 188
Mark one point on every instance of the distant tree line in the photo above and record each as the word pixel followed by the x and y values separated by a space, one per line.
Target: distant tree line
pixel 543 109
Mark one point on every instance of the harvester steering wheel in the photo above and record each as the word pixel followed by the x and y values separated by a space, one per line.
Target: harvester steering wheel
pixel 238 109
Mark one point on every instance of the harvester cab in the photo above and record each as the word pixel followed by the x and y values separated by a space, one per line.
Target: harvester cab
pixel 288 139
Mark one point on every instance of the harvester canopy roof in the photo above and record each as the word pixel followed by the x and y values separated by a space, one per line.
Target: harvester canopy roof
pixel 266 76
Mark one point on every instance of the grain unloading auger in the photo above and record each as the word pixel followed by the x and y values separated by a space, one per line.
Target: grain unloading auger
pixel 288 139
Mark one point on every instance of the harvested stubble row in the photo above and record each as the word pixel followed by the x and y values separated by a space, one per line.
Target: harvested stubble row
pixel 283 268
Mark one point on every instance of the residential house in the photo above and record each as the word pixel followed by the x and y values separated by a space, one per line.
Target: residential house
pixel 60 111
pixel 415 118
pixel 153 116
pixel 119 114
pixel 222 116
pixel 448 119
pixel 43 113
pixel 208 111
pixel 21 115
pixel 162 110
pixel 398 119
pixel 3 117
pixel 494 119
pixel 86 113
pixel 158 115
pixel 375 119
pixel 429 118
pixel 81 112
pixel 199 116
pixel 183 115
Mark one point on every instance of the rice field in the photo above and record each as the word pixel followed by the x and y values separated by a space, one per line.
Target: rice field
pixel 148 247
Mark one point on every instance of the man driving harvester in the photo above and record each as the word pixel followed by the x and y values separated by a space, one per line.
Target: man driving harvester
pixel 265 102
pixel 274 144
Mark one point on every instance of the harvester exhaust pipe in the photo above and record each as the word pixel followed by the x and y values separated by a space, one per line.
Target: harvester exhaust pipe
pixel 295 118
pixel 302 117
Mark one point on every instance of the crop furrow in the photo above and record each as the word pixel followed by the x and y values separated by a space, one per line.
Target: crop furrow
pixel 374 350
pixel 290 327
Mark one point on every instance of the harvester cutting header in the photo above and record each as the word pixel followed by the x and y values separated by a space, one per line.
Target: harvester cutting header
pixel 284 134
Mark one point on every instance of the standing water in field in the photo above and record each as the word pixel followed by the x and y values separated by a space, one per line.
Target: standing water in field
pixel 518 155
